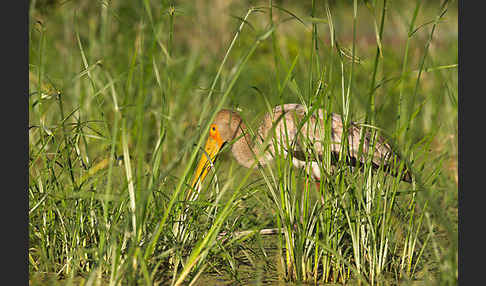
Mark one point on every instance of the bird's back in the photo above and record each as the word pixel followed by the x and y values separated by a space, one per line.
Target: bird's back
pixel 296 131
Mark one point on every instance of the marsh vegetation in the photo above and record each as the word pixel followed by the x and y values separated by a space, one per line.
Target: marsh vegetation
pixel 121 94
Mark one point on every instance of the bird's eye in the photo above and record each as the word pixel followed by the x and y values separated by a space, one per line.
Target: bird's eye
pixel 212 130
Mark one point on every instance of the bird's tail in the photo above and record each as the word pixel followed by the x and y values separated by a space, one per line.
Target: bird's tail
pixel 407 176
pixel 393 169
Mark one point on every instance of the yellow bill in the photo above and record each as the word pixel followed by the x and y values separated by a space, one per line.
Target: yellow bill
pixel 213 145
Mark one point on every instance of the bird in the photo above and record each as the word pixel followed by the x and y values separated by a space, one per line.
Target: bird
pixel 288 128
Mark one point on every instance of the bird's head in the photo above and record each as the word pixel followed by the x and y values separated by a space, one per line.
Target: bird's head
pixel 222 130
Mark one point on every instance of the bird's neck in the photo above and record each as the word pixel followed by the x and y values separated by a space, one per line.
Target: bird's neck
pixel 247 151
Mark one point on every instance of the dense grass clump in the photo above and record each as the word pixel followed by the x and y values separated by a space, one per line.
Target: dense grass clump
pixel 121 97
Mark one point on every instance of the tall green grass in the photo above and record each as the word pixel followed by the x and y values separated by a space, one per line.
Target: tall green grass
pixel 121 98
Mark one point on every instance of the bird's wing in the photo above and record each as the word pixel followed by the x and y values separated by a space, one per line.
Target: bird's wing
pixel 295 131
pixel 383 154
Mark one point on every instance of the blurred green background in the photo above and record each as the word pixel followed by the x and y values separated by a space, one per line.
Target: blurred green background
pixel 152 64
